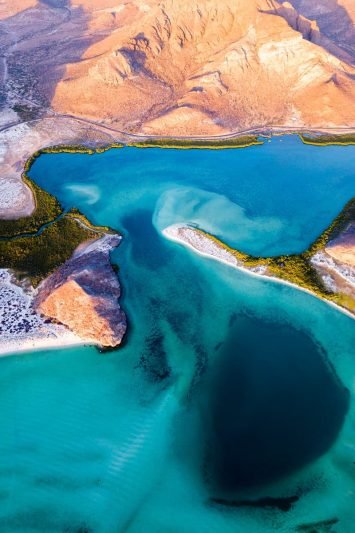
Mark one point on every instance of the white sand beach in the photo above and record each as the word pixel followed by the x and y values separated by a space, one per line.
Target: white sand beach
pixel 202 245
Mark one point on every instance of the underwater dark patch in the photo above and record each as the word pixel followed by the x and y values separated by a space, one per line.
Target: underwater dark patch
pixel 276 405
pixel 283 504
pixel 323 526
pixel 154 359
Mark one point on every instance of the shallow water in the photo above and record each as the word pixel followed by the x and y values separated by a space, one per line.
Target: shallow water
pixel 228 386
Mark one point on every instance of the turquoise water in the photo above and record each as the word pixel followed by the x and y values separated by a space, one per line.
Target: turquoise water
pixel 228 387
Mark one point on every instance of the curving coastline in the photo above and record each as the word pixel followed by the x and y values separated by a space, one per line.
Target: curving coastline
pixel 22 142
pixel 48 212
pixel 57 284
pixel 77 304
pixel 21 328
pixel 243 139
pixel 209 246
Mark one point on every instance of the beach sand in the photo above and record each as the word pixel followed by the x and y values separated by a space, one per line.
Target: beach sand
pixel 206 247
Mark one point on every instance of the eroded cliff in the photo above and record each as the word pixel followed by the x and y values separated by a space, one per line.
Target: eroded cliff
pixel 83 294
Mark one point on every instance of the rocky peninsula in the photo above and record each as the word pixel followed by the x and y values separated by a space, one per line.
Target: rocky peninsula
pixel 57 285
pixel 83 294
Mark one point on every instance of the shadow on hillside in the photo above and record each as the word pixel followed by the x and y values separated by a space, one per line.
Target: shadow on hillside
pixel 37 44
pixel 335 23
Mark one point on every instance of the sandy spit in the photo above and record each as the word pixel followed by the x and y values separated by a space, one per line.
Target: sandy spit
pixel 173 233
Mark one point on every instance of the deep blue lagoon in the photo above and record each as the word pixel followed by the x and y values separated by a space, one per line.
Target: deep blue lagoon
pixel 231 393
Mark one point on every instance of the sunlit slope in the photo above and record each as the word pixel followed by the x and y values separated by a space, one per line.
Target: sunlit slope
pixel 207 67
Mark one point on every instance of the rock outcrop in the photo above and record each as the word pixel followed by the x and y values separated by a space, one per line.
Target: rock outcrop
pixel 335 18
pixel 310 29
pixel 83 295
pixel 342 248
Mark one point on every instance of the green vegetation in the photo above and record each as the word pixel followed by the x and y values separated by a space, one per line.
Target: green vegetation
pixel 293 268
pixel 67 148
pixel 47 206
pixel 236 142
pixel 345 139
pixel 105 148
pixel 76 149
pixel 70 149
pixel 78 215
pixel 336 227
pixel 36 245
pixel 297 268
pixel 37 256
pixel 47 209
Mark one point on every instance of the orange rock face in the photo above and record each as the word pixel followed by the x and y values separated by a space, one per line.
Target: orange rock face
pixel 83 294
pixel 208 67
pixel 13 7
pixel 342 249
pixel 70 305
pixel 185 67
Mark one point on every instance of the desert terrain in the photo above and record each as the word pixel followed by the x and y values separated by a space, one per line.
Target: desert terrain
pixel 188 68
pixel 74 71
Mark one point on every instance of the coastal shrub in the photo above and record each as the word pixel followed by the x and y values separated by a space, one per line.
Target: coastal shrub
pixel 346 216
pixel 36 245
pixel 297 268
pixel 326 140
pixel 37 256
pixel 78 149
pixel 236 142
pixel 78 215
pixel 345 300
pixel 47 209
pixel 67 148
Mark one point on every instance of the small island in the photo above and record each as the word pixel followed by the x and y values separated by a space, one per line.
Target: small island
pixel 326 269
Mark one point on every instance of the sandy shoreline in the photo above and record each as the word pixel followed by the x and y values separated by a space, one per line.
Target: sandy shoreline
pixel 223 256
pixel 16 200
pixel 15 347
pixel 21 328
pixel 20 140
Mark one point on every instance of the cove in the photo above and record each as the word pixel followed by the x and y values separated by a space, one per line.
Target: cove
pixel 123 441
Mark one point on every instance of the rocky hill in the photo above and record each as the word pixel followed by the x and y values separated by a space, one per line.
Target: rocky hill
pixel 83 295
pixel 182 67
